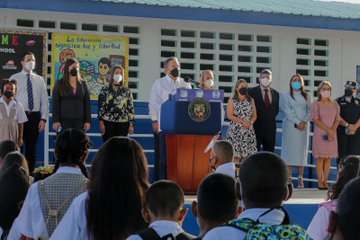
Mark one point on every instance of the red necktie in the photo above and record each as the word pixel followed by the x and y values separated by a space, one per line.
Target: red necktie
pixel 267 99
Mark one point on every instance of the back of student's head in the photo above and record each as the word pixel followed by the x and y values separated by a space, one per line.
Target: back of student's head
pixel 349 168
pixel 217 200
pixel 7 146
pixel 14 184
pixel 71 147
pixel 224 151
pixel 164 198
pixel 263 178
pixel 348 210
pixel 12 158
pixel 118 182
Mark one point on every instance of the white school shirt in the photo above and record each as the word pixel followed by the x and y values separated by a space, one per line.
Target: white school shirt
pixel 318 226
pixel 227 169
pixel 160 93
pixel 40 96
pixel 20 115
pixel 30 221
pixel 162 228
pixel 73 224
pixel 274 217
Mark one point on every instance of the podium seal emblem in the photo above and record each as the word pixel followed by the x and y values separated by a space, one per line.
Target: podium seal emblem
pixel 199 109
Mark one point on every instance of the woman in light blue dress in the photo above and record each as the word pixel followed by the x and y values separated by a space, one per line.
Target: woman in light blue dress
pixel 295 104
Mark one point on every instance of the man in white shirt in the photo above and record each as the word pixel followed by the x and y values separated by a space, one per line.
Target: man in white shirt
pixel 32 94
pixel 263 186
pixel 221 158
pixel 164 210
pixel 160 92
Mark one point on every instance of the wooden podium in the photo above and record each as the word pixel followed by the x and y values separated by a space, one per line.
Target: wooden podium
pixel 187 164
pixel 190 122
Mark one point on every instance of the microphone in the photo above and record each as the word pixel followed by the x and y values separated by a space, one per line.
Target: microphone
pixel 171 93
pixel 190 80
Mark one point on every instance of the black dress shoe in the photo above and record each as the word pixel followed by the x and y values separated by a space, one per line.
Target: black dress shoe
pixel 323 188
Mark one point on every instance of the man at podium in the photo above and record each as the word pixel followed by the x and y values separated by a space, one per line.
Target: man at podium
pixel 160 92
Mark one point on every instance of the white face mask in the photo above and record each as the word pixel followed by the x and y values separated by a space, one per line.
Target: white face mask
pixel 118 78
pixel 30 65
pixel 325 93
pixel 265 81
pixel 209 83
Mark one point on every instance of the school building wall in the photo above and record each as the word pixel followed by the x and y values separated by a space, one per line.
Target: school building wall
pixel 231 50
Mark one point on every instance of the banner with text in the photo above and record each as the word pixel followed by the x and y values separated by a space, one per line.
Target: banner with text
pixel 12 46
pixel 96 55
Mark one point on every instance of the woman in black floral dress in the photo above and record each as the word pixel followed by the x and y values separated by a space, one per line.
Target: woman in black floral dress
pixel 241 111
pixel 116 107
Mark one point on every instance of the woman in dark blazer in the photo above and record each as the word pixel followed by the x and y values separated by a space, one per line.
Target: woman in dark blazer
pixel 71 100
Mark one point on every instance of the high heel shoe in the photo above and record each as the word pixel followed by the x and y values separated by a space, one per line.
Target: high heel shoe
pixel 300 183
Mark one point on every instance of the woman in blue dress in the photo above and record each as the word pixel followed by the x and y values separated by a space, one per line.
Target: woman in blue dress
pixel 295 104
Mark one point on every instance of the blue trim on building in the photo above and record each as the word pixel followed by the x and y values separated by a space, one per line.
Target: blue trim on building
pixel 181 13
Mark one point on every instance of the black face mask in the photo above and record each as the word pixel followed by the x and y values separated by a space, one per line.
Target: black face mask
pixel 243 91
pixel 175 72
pixel 8 94
pixel 73 72
pixel 348 92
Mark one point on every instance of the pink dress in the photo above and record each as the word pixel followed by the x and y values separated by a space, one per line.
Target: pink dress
pixel 328 114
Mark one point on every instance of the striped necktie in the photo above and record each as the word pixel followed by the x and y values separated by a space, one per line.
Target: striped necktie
pixel 30 93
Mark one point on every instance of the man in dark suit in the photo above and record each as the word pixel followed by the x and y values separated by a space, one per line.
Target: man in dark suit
pixel 267 107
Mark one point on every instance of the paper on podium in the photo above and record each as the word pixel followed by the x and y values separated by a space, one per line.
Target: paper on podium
pixel 211 143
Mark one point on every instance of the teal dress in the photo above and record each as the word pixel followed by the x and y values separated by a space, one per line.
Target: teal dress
pixel 294 148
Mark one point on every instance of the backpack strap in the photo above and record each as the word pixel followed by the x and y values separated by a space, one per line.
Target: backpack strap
pixel 149 234
pixel 243 224
pixel 186 236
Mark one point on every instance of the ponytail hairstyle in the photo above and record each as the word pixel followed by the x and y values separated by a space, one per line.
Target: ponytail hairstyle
pixel 71 147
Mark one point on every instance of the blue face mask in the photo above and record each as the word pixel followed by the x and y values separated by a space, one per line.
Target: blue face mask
pixel 296 85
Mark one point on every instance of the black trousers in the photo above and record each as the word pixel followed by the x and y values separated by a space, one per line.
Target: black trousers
pixel 72 123
pixel 31 136
pixel 115 129
pixel 347 144
pixel 266 140
pixel 160 156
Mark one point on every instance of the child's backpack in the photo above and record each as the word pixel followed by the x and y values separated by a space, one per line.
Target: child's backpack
pixel 150 234
pixel 260 231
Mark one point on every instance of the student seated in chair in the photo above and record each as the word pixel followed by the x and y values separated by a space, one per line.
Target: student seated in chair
pixel 164 210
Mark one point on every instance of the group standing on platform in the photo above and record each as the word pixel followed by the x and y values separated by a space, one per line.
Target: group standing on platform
pixel 116 201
